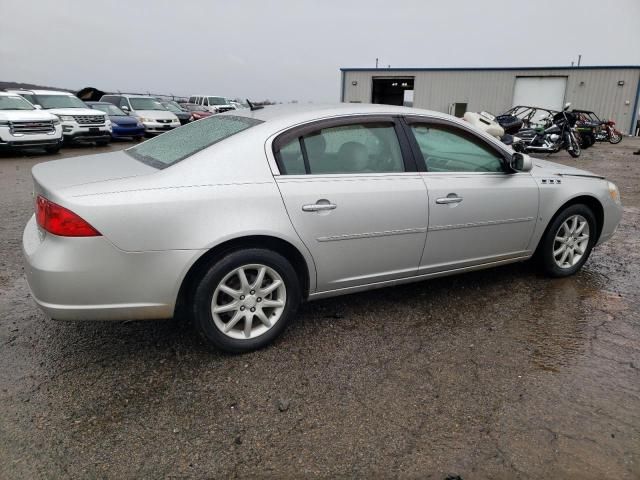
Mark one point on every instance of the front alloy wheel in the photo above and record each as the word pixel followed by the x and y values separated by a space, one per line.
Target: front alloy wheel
pixel 570 242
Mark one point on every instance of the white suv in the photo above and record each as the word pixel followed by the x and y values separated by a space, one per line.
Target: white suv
pixel 80 124
pixel 151 113
pixel 212 103
pixel 23 126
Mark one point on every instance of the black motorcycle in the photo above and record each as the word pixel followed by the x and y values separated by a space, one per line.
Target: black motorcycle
pixel 557 133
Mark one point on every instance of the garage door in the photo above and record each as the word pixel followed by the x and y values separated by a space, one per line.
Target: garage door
pixel 544 92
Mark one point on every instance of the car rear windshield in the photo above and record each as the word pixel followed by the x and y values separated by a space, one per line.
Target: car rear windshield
pixel 176 145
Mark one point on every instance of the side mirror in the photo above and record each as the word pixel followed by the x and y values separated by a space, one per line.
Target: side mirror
pixel 521 162
pixel 38 107
pixel 124 108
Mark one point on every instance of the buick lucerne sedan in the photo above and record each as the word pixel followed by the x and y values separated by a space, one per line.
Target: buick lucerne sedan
pixel 237 218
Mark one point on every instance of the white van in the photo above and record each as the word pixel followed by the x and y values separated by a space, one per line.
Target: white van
pixel 212 103
pixel 151 113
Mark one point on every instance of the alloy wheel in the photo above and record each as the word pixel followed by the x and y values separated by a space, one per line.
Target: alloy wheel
pixel 248 301
pixel 571 241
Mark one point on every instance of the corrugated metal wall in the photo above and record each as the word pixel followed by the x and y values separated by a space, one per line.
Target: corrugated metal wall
pixel 492 90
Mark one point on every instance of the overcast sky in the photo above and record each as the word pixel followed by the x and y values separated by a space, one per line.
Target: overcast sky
pixel 293 49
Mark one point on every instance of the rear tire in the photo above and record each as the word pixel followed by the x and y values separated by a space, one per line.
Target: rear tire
pixel 237 314
pixel 559 239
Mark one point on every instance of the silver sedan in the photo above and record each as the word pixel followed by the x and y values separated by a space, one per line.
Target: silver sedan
pixel 237 218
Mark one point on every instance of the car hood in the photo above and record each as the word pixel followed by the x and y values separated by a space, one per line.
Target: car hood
pixel 123 120
pixel 156 114
pixel 51 177
pixel 75 111
pixel 543 167
pixel 25 115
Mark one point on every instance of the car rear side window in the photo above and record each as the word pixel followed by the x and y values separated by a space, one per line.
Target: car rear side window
pixel 355 148
pixel 176 145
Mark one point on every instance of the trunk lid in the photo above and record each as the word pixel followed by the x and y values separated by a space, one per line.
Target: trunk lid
pixel 51 177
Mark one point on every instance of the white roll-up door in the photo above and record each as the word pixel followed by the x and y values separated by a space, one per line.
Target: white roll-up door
pixel 543 92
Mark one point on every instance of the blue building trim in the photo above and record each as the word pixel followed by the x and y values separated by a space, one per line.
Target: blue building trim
pixel 634 113
pixel 486 69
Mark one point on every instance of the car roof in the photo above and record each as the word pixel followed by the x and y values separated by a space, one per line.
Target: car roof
pixel 9 94
pixel 91 102
pixel 308 112
pixel 46 92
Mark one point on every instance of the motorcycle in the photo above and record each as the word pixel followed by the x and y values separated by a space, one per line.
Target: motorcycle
pixel 609 133
pixel 556 133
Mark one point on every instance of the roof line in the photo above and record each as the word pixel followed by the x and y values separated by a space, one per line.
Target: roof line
pixel 467 69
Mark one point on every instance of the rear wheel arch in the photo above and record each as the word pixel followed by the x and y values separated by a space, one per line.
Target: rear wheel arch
pixel 197 270
pixel 594 205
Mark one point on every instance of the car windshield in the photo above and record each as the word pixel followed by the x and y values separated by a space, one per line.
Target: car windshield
pixel 172 108
pixel 59 101
pixel 109 109
pixel 14 103
pixel 142 103
pixel 217 101
pixel 176 145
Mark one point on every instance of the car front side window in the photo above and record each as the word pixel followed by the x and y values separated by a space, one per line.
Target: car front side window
pixel 354 148
pixel 447 149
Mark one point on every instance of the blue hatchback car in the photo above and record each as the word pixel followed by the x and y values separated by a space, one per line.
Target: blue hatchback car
pixel 122 124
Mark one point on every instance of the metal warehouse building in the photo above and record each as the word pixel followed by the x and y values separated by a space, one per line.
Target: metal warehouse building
pixel 610 91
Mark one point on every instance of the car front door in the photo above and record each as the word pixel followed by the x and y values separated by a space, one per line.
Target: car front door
pixel 355 199
pixel 479 210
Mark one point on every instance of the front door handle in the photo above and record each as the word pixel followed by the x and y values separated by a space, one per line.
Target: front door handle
pixel 319 207
pixel 451 198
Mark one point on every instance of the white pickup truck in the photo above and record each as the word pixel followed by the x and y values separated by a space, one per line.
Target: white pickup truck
pixel 80 124
pixel 23 126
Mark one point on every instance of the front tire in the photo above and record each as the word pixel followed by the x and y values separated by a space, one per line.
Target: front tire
pixel 245 300
pixel 615 137
pixel 574 146
pixel 568 241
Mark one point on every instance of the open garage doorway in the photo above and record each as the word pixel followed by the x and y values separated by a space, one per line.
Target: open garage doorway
pixel 393 91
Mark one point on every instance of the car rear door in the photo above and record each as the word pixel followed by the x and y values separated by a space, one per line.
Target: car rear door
pixel 355 199
pixel 479 210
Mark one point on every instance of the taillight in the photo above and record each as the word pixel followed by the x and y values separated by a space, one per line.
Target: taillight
pixel 62 222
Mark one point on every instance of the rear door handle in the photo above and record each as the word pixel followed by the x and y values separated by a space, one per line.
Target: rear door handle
pixel 319 207
pixel 447 200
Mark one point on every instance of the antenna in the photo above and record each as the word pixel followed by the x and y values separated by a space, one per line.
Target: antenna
pixel 253 106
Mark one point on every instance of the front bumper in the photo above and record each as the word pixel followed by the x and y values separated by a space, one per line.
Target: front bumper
pixel 75 133
pixel 30 140
pixel 612 217
pixel 90 279
pixel 156 127
pixel 118 131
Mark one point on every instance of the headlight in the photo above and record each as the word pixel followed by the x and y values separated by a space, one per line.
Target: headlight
pixel 140 124
pixel 614 193
pixel 144 119
pixel 55 121
pixel 66 118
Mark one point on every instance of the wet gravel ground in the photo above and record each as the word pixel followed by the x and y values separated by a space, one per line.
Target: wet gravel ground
pixel 495 374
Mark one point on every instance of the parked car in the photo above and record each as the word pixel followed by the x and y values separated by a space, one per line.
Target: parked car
pixel 122 125
pixel 235 219
pixel 212 103
pixel 197 111
pixel 80 124
pixel 151 113
pixel 183 115
pixel 24 126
